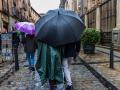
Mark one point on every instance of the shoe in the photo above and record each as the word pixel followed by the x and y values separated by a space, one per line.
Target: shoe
pixel 53 85
pixel 26 65
pixel 32 68
pixel 69 87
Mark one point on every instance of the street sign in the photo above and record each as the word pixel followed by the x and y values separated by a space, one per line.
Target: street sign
pixel 6 46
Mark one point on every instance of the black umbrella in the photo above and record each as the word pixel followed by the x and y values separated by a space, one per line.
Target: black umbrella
pixel 59 27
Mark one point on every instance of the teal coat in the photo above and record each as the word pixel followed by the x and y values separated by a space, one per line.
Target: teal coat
pixel 49 64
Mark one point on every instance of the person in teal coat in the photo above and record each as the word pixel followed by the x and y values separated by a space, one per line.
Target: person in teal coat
pixel 49 64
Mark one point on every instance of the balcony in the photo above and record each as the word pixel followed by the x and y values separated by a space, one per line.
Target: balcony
pixel 14 11
pixel 23 18
pixel 98 2
pixel 14 2
pixel 30 14
pixel 24 5
pixel 5 7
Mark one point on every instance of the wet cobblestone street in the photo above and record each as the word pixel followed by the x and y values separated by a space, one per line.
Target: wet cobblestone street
pixel 84 80
pixel 26 80
pixel 23 80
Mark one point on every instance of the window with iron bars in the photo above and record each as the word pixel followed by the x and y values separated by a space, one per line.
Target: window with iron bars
pixel 108 20
pixel 92 19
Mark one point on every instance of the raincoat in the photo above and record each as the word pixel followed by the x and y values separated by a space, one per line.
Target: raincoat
pixel 48 63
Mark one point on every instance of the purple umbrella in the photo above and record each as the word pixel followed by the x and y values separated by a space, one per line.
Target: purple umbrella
pixel 26 27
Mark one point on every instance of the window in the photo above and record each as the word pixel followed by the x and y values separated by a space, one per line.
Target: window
pixel 108 20
pixel 108 16
pixel 92 19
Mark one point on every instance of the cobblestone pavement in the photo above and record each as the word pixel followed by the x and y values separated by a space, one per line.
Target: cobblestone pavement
pixel 26 80
pixel 7 67
pixel 6 71
pixel 84 80
pixel 23 80
pixel 100 62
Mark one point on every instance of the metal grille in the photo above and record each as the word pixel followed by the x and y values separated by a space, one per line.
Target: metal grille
pixel 92 19
pixel 108 20
pixel 83 18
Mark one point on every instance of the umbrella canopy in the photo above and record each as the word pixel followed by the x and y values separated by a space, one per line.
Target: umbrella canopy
pixel 59 27
pixel 26 27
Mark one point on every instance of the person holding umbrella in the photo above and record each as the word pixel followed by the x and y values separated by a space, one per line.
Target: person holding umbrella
pixel 29 42
pixel 49 65
pixel 70 52
pixel 15 44
pixel 53 31
pixel 30 48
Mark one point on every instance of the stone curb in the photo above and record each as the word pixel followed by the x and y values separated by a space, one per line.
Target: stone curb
pixel 103 80
pixel 108 53
pixel 107 47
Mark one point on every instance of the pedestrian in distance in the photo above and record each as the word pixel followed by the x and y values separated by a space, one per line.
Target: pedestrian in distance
pixel 15 43
pixel 30 48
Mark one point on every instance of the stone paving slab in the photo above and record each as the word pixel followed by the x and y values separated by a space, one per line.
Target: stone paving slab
pixel 6 71
pixel 112 75
pixel 22 80
pixel 8 68
pixel 84 80
pixel 25 80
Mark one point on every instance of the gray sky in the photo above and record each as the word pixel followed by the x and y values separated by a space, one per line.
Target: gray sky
pixel 42 6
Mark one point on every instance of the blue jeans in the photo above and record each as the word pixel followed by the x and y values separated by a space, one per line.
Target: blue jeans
pixel 30 58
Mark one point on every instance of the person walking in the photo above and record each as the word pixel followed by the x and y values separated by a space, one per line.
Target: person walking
pixel 30 48
pixel 49 65
pixel 15 44
pixel 70 52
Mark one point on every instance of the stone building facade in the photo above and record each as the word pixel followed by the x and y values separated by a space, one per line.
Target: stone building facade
pixel 12 11
pixel 104 15
pixel 68 5
pixel 34 16
pixel 71 5
pixel 15 10
pixel 62 4
pixel 81 6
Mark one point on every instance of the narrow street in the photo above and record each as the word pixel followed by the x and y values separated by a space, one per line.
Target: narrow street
pixel 43 33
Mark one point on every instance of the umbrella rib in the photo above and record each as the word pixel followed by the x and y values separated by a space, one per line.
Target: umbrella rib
pixel 70 26
pixel 72 14
pixel 74 18
pixel 45 23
